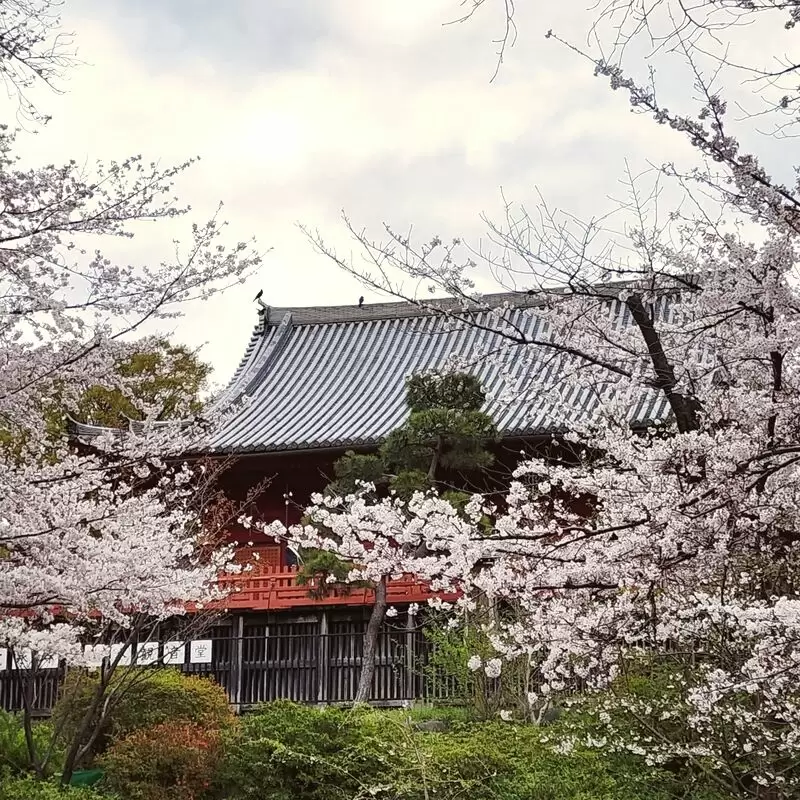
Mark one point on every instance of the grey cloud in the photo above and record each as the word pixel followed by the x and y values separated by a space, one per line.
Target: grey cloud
pixel 241 37
pixel 302 107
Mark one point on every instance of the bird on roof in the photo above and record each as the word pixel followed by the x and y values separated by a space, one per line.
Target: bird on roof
pixel 360 301
pixel 259 295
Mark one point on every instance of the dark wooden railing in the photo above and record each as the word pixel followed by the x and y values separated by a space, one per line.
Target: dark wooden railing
pixel 311 666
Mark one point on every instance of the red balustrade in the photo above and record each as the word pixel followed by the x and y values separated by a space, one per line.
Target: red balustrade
pixel 273 588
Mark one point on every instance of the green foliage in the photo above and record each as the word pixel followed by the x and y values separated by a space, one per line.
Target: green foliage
pixel 538 771
pixel 451 715
pixel 502 761
pixel 446 437
pixel 448 766
pixel 409 481
pixel 170 761
pixel 648 703
pixel 446 429
pixel 147 697
pixel 317 566
pixel 456 390
pixel 28 788
pixel 354 468
pixel 164 376
pixel 286 751
pixel 168 378
pixel 320 565
pixel 14 757
pixel 447 665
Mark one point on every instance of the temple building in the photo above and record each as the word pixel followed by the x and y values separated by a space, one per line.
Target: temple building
pixel 316 382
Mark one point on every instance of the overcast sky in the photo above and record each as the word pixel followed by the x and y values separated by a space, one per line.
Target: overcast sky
pixel 301 108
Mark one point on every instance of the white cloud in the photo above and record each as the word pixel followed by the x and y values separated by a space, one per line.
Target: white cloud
pixel 300 108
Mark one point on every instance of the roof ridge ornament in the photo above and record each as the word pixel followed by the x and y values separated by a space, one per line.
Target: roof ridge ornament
pixel 263 312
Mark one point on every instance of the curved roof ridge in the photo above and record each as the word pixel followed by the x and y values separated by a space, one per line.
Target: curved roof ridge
pixel 400 309
pixel 264 344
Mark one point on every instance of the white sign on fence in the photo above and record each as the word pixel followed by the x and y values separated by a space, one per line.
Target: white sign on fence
pixel 23 658
pixel 174 652
pixel 94 654
pixel 200 651
pixel 147 653
pixel 3 658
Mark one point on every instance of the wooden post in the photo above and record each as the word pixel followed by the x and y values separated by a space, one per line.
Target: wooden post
pixel 411 678
pixel 237 652
pixel 323 659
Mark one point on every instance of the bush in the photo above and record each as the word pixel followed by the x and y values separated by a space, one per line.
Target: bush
pixel 171 761
pixel 647 704
pixel 451 715
pixel 285 751
pixel 501 761
pixel 288 751
pixel 14 758
pixel 27 788
pixel 447 670
pixel 148 697
pixel 448 766
pixel 543 773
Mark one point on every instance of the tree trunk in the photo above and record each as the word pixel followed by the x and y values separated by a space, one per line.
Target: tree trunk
pixel 371 643
pixel 434 465
pixel 684 406
pixel 27 721
pixel 75 750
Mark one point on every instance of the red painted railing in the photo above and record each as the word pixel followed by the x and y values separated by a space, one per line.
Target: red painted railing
pixel 275 588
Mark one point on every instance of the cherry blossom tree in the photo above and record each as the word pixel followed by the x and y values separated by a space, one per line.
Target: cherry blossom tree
pixel 101 537
pixel 679 339
pixel 33 50
pixel 65 313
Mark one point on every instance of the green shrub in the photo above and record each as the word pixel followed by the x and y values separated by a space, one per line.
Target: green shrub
pixel 501 761
pixel 147 697
pixel 14 758
pixel 286 751
pixel 581 774
pixel 452 715
pixel 447 670
pixel 28 788
pixel 448 766
pixel 632 711
pixel 171 761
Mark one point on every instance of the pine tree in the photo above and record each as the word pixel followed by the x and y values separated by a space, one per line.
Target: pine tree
pixel 445 436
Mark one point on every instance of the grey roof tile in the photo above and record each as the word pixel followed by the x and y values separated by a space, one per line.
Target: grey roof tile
pixel 333 377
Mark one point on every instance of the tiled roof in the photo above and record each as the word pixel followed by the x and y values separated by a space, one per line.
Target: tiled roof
pixel 334 377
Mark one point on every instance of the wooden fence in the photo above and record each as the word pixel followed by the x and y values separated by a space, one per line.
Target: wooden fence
pixel 259 663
